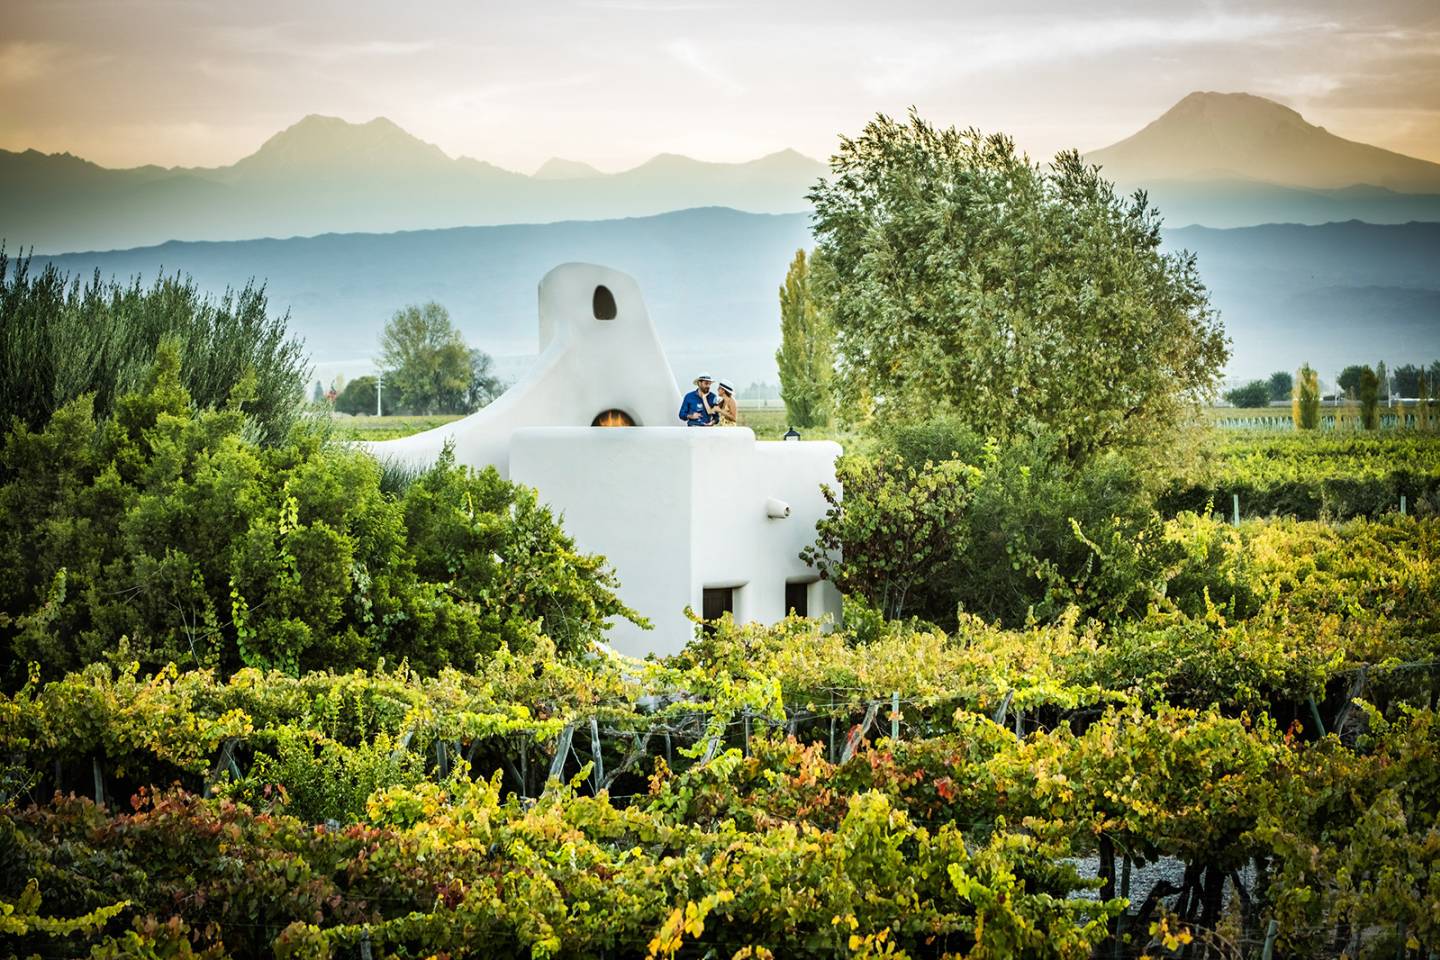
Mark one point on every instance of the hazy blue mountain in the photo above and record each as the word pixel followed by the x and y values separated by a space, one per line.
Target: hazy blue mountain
pixel 325 175
pixel 1331 295
pixel 710 279
pixel 1243 203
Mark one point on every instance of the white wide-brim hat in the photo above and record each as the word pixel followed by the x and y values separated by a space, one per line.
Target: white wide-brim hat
pixel 725 385
pixel 704 376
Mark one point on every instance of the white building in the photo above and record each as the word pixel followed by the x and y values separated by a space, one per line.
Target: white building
pixel 708 518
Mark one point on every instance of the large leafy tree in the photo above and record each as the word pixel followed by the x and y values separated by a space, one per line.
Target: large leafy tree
pixel 485 384
pixel 1349 380
pixel 358 397
pixel 1256 393
pixel 969 280
pixel 429 365
pixel 806 358
pixel 1409 376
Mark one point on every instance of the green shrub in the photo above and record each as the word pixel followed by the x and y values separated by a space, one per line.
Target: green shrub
pixel 317 779
pixel 168 530
pixel 1019 534
pixel 61 340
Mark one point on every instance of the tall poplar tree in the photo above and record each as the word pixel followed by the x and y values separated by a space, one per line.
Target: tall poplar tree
pixel 1305 405
pixel 806 357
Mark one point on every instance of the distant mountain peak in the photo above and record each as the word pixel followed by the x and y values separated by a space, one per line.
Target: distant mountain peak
pixel 1242 136
pixel 558 168
pixel 318 141
pixel 1245 110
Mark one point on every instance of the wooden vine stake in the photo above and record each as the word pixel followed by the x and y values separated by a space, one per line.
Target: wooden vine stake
pixel 562 750
pixel 597 771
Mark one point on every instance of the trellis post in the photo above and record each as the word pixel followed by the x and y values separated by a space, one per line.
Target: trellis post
pixel 562 750
pixel 832 726
pixel 597 772
pixel 894 714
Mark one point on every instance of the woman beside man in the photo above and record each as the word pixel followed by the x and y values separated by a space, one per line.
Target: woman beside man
pixel 701 408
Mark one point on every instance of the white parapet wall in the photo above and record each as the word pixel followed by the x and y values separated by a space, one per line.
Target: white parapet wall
pixel 680 510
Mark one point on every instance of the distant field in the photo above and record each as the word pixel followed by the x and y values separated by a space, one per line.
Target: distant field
pixel 768 424
pixel 387 428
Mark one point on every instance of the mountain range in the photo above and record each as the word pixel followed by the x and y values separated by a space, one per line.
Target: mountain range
pixel 1213 159
pixel 1331 295
pixel 324 175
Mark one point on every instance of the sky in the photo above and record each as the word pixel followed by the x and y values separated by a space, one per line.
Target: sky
pixel 614 82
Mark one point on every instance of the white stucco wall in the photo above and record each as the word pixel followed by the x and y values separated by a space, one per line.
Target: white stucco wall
pixel 674 509
pixel 677 510
pixel 586 365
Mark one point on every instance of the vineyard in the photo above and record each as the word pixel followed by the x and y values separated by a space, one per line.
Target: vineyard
pixel 1313 475
pixel 1265 736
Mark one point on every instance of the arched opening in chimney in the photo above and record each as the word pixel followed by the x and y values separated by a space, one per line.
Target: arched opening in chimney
pixel 603 303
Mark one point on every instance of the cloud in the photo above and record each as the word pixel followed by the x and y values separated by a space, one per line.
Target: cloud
pixel 284 41
pixel 23 61
pixel 688 55
pixel 653 6
pixel 939 54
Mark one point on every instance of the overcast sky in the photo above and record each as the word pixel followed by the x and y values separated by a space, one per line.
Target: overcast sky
pixel 613 82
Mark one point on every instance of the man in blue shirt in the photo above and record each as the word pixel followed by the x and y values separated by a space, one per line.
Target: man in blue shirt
pixel 698 407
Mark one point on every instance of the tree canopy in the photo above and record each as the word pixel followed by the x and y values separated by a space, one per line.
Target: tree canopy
pixel 1256 393
pixel 806 358
pixel 968 279
pixel 1349 379
pixel 358 397
pixel 429 366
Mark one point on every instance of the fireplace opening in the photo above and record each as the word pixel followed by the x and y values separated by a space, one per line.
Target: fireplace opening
pixel 612 418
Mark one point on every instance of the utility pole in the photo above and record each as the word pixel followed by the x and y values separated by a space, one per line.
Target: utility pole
pixel 379 382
